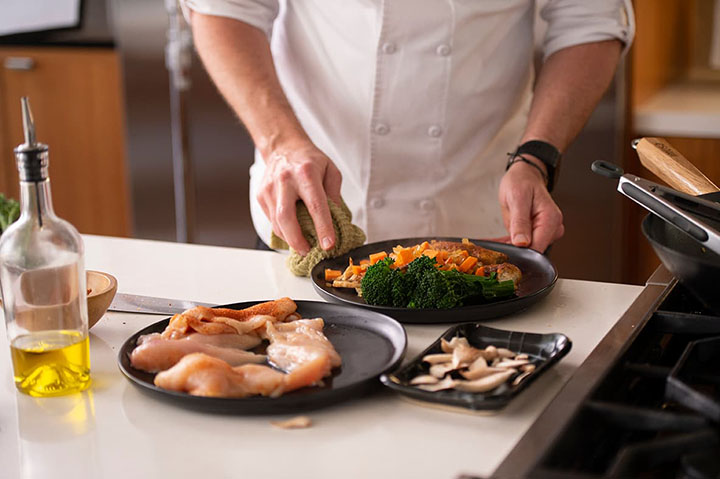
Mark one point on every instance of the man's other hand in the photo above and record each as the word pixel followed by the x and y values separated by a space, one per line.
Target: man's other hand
pixel 531 216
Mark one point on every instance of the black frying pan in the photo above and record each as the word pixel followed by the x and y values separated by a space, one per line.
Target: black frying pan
pixel 692 264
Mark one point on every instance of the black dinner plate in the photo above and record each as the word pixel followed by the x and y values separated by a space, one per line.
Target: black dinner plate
pixel 539 277
pixel 543 350
pixel 369 344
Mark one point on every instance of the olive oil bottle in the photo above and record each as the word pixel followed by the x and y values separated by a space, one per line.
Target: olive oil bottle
pixel 42 281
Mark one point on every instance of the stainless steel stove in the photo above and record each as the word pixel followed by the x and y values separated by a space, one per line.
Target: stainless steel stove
pixel 646 402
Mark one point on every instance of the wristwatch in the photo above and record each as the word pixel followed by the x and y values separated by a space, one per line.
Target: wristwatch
pixel 544 152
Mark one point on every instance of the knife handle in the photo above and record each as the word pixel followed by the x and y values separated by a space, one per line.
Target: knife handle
pixel 658 156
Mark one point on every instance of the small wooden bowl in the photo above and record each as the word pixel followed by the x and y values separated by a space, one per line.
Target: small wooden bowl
pixel 102 288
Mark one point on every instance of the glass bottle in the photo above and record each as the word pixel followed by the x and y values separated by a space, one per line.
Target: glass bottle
pixel 42 280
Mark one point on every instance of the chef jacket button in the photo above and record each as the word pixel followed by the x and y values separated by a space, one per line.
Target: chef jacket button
pixel 427 205
pixel 389 48
pixel 377 202
pixel 443 50
pixel 434 131
pixel 382 129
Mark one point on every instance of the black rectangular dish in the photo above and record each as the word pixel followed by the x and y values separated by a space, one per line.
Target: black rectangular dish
pixel 543 351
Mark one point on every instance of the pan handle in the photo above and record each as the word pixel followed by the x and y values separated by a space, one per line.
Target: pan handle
pixel 656 206
pixel 607 169
pixel 658 156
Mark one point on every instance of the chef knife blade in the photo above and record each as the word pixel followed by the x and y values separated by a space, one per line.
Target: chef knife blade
pixel 134 303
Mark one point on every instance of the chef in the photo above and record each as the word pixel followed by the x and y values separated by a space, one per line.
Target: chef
pixel 407 109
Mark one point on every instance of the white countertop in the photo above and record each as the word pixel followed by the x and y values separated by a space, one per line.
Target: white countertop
pixel 114 431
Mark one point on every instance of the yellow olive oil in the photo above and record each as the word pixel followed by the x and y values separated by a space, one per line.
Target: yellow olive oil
pixel 51 363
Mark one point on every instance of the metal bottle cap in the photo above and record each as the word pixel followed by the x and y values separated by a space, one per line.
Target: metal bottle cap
pixel 31 156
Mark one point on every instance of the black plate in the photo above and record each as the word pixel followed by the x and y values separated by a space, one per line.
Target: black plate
pixel 543 350
pixel 369 344
pixel 539 277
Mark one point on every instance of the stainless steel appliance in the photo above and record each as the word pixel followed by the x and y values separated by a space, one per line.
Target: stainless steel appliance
pixel 646 402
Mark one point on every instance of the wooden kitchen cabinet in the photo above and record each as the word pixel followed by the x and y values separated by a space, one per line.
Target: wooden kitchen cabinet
pixel 675 95
pixel 76 99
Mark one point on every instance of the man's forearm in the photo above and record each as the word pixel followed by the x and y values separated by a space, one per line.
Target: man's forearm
pixel 570 84
pixel 237 57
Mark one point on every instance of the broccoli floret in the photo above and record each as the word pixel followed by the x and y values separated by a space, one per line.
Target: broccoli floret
pixel 433 290
pixel 403 286
pixel 423 285
pixel 451 289
pixel 377 283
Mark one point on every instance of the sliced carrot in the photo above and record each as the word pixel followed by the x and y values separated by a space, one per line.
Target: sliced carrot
pixel 364 261
pixel 357 269
pixel 430 253
pixel 404 257
pixel 375 257
pixel 467 265
pixel 442 256
pixel 421 247
pixel 332 274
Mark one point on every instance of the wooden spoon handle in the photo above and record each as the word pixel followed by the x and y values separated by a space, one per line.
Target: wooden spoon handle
pixel 669 165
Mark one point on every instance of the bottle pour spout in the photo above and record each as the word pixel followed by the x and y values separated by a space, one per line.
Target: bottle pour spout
pixel 28 123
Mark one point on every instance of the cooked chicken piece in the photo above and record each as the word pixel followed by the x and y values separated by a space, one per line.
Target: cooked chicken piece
pixel 291 348
pixel 203 375
pixel 484 255
pixel 224 320
pixel 505 272
pixel 338 283
pixel 158 354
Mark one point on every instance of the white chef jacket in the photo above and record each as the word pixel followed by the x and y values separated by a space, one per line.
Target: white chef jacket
pixel 417 102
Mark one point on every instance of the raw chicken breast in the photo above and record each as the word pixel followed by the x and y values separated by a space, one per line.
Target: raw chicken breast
pixel 298 342
pixel 203 375
pixel 158 354
pixel 223 320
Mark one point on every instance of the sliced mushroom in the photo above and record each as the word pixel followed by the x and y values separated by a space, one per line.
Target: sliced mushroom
pixel 488 383
pixel 440 370
pixel 490 352
pixel 505 353
pixel 447 383
pixel 527 367
pixel 512 363
pixel 479 363
pixel 521 377
pixel 522 356
pixel 480 373
pixel 437 358
pixel 464 355
pixel 424 379
pixel 457 341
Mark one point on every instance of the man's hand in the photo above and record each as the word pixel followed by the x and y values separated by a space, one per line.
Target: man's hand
pixel 531 216
pixel 238 58
pixel 306 174
pixel 569 85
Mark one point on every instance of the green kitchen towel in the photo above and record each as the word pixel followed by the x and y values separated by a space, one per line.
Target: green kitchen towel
pixel 347 237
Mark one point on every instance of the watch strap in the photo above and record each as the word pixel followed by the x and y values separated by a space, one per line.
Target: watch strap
pixel 514 158
pixel 546 153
